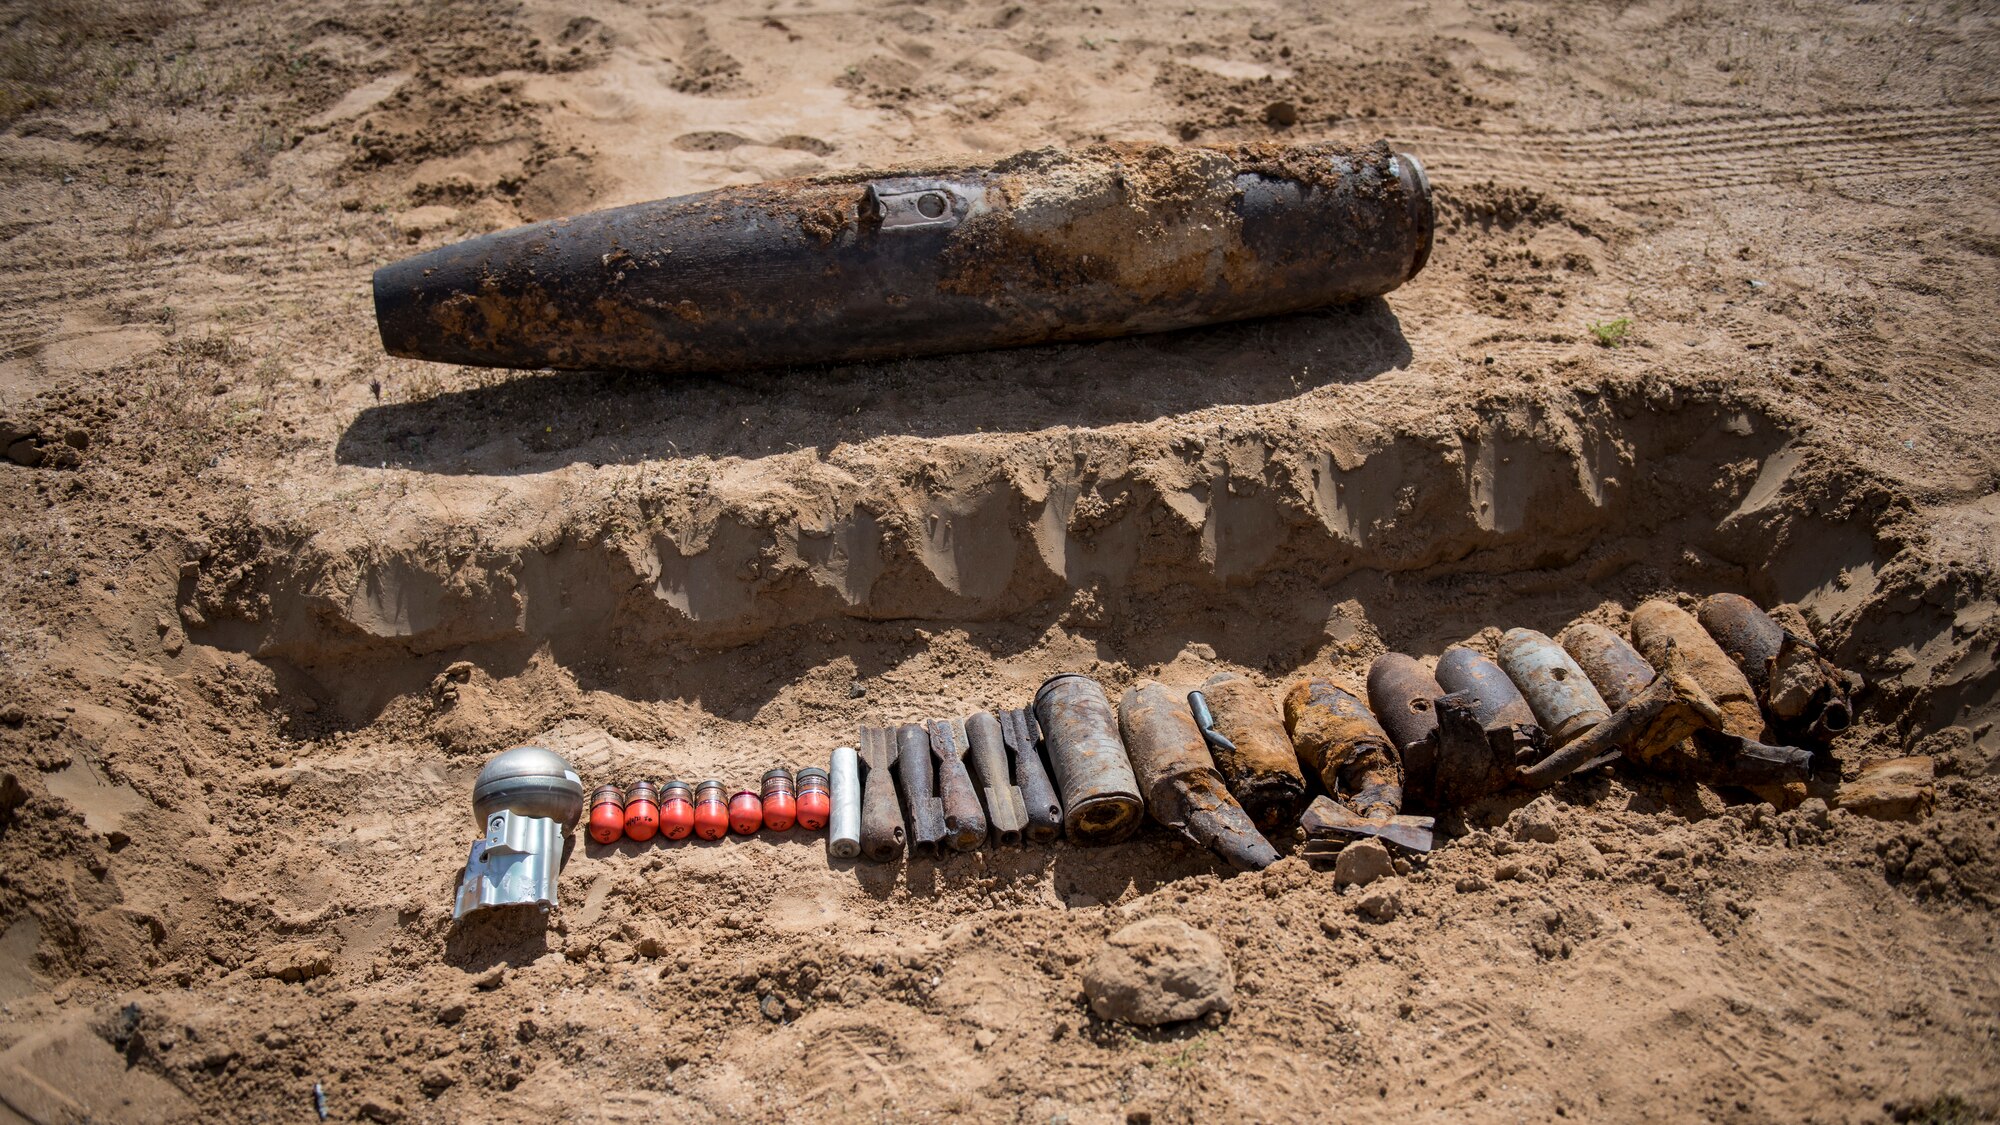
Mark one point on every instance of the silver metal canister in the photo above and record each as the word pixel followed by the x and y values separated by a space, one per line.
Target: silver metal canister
pixel 1100 794
pixel 843 834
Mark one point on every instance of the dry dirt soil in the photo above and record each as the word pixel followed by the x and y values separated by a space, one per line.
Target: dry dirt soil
pixel 271 599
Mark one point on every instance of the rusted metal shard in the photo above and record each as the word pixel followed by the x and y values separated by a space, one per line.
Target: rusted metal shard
pixel 1803 693
pixel 964 817
pixel 1728 759
pixel 1340 741
pixel 920 800
pixel 1474 760
pixel 1612 664
pixel 1647 729
pixel 1564 702
pixel 1100 795
pixel 987 753
pixel 1502 710
pixel 1047 245
pixel 1328 819
pixel 881 814
pixel 1038 794
pixel 1403 695
pixel 1245 730
pixel 1183 789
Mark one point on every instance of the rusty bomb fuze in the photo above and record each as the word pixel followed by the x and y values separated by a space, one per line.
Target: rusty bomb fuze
pixel 1044 246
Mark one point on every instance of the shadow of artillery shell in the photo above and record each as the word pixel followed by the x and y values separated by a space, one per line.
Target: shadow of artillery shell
pixel 1612 664
pixel 1339 740
pixel 1263 771
pixel 1100 795
pixel 1183 789
pixel 1403 695
pixel 1563 701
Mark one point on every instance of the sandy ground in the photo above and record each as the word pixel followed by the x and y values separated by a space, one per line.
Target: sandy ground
pixel 272 598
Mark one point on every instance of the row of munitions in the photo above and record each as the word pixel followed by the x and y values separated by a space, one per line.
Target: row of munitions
pixel 1705 695
pixel 674 811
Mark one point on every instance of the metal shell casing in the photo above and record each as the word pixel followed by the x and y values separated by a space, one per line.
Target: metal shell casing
pixel 843 833
pixel 1183 789
pixel 1657 624
pixel 881 811
pixel 527 800
pixel 1611 662
pixel 986 751
pixel 1802 692
pixel 1563 700
pixel 1100 794
pixel 1493 699
pixel 964 816
pixel 1044 246
pixel 1403 695
pixel 921 803
pixel 1259 765
pixel 1340 741
pixel 1023 737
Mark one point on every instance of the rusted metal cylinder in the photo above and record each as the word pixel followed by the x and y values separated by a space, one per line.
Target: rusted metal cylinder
pixel 1339 740
pixel 1103 241
pixel 1612 664
pixel 920 801
pixel 1564 702
pixel 1658 624
pixel 1501 709
pixel 964 816
pixel 1183 789
pixel 986 751
pixel 1403 695
pixel 1258 763
pixel 881 813
pixel 1100 795
pixel 1023 737
pixel 1803 693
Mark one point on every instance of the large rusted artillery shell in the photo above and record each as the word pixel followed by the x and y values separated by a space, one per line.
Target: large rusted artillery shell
pixel 1802 692
pixel 1100 795
pixel 1022 735
pixel 1501 709
pixel 1562 698
pixel 986 750
pixel 1612 664
pixel 1183 789
pixel 1339 740
pixel 1658 625
pixel 881 813
pixel 1403 695
pixel 1262 770
pixel 920 800
pixel 964 816
pixel 1043 246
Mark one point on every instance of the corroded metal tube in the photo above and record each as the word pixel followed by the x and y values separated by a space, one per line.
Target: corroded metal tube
pixel 1022 735
pixel 881 813
pixel 1562 698
pixel 1612 664
pixel 843 833
pixel 1183 789
pixel 1340 741
pixel 1403 695
pixel 1048 245
pixel 1803 693
pixel 1256 758
pixel 964 817
pixel 1739 753
pixel 1500 707
pixel 1100 795
pixel 987 752
pixel 919 782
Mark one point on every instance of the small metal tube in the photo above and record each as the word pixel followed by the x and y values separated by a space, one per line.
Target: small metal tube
pixel 1403 695
pixel 1022 735
pixel 1612 664
pixel 987 752
pixel 881 814
pixel 843 833
pixel 964 818
pixel 1100 795
pixel 1562 698
pixel 1183 789
pixel 1501 709
pixel 1340 741
pixel 1255 759
pixel 919 778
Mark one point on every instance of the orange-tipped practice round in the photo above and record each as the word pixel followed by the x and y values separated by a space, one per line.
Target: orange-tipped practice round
pixel 607 814
pixel 780 808
pixel 676 810
pixel 642 811
pixel 711 811
pixel 815 803
pixel 746 813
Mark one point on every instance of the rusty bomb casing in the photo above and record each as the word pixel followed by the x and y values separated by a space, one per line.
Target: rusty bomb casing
pixel 1023 737
pixel 1500 707
pixel 1048 245
pixel 1258 763
pixel 1339 740
pixel 1403 696
pixel 1612 664
pixel 1658 624
pixel 964 816
pixel 986 750
pixel 918 775
pixel 1803 693
pixel 881 813
pixel 1561 696
pixel 1183 789
pixel 1100 795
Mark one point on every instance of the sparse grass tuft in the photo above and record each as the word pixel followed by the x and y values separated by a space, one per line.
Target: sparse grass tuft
pixel 1612 333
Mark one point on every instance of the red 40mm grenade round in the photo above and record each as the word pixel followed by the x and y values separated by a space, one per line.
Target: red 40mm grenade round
pixel 711 810
pixel 676 810
pixel 642 811
pixel 746 813
pixel 815 802
pixel 780 809
pixel 607 814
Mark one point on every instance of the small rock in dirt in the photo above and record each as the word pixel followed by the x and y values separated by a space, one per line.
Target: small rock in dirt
pixel 1468 884
pixel 1331 924
pixel 1281 115
pixel 773 1007
pixel 1380 905
pixel 294 963
pixel 1361 863
pixel 451 1014
pixel 1159 971
pixel 1814 812
pixel 984 1039
pixel 1536 821
pixel 436 1079
pixel 490 979
pixel 1898 789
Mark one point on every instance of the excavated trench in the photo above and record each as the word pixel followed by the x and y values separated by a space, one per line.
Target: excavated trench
pixel 1326 538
